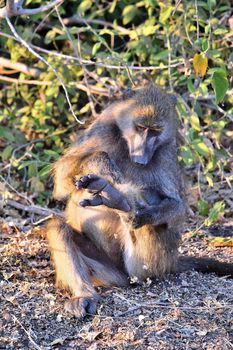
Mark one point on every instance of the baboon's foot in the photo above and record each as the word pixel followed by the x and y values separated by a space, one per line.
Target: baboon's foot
pixel 81 307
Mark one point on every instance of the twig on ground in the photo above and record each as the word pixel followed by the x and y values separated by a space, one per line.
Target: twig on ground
pixel 42 220
pixel 27 332
pixel 36 209
pixel 167 306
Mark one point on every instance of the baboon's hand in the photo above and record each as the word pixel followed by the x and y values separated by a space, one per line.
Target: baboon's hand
pixel 80 307
pixel 141 217
pixel 103 193
pixel 91 182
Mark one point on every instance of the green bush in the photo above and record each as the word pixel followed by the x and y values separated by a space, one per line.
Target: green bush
pixel 114 39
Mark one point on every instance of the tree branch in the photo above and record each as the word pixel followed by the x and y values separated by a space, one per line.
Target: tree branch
pixel 21 67
pixel 77 19
pixel 93 89
pixel 14 8
pixel 99 64
pixel 30 49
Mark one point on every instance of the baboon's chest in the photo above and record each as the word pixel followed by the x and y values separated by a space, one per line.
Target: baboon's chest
pixel 151 196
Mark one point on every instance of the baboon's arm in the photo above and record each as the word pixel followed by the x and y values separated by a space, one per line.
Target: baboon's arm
pixel 63 172
pixel 170 210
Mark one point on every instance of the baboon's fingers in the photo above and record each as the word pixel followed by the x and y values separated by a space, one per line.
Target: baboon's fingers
pixel 91 202
pixel 80 307
pixel 82 182
pixel 91 182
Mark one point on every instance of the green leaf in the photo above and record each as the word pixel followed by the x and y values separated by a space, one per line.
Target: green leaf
pixel 52 90
pixel 220 84
pixel 85 108
pixel 112 8
pixel 6 154
pixel 84 6
pixel 190 85
pixel 203 207
pixel 201 147
pixel 195 123
pixel 25 164
pixel 165 13
pixel 6 133
pixel 211 4
pixel 50 36
pixel 209 179
pixel 186 155
pixel 32 170
pixel 45 170
pixel 217 209
pixel 220 31
pixel 129 13
pixel 204 44
pixel 95 48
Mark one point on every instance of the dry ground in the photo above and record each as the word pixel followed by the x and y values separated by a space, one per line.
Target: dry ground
pixel 187 311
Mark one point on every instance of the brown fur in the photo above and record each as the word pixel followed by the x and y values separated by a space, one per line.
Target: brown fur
pixel 100 245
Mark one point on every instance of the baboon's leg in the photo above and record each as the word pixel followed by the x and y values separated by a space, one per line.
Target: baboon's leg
pixel 79 265
pixel 150 252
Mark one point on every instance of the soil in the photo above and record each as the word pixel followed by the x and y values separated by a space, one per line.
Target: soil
pixel 186 311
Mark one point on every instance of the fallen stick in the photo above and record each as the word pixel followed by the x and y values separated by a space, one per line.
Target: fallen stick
pixel 36 209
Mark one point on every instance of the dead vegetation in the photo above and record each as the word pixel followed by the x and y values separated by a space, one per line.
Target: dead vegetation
pixel 187 311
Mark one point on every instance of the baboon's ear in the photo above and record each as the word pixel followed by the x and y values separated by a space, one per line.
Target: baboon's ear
pixel 127 94
pixel 174 99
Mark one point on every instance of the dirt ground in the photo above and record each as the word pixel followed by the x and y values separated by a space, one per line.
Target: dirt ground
pixel 186 311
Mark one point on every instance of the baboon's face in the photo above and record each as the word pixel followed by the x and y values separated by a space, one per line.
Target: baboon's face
pixel 142 132
pixel 146 118
pixel 142 142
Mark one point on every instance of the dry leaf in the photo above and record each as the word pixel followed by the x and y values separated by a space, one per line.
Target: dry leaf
pixel 58 341
pixel 200 64
pixel 221 241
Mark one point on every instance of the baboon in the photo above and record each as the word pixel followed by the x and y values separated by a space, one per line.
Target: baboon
pixel 125 208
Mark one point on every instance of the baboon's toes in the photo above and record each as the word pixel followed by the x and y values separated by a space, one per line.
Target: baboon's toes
pixel 80 307
pixel 85 181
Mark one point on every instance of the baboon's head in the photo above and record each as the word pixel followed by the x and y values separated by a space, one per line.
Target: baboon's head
pixel 147 119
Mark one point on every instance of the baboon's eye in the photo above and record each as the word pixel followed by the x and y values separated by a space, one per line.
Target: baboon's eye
pixel 156 130
pixel 140 128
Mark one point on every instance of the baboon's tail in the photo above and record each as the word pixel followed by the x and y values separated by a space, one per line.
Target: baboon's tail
pixel 205 265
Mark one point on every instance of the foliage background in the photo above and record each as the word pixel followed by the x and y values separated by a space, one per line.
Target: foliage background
pixel 98 48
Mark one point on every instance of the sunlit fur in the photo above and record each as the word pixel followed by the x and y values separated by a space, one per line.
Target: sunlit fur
pixel 99 245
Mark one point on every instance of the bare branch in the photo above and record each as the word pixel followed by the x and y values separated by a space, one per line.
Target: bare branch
pixel 206 97
pixel 24 81
pixel 76 19
pixel 36 209
pixel 100 64
pixel 93 89
pixel 24 43
pixel 14 8
pixel 5 62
